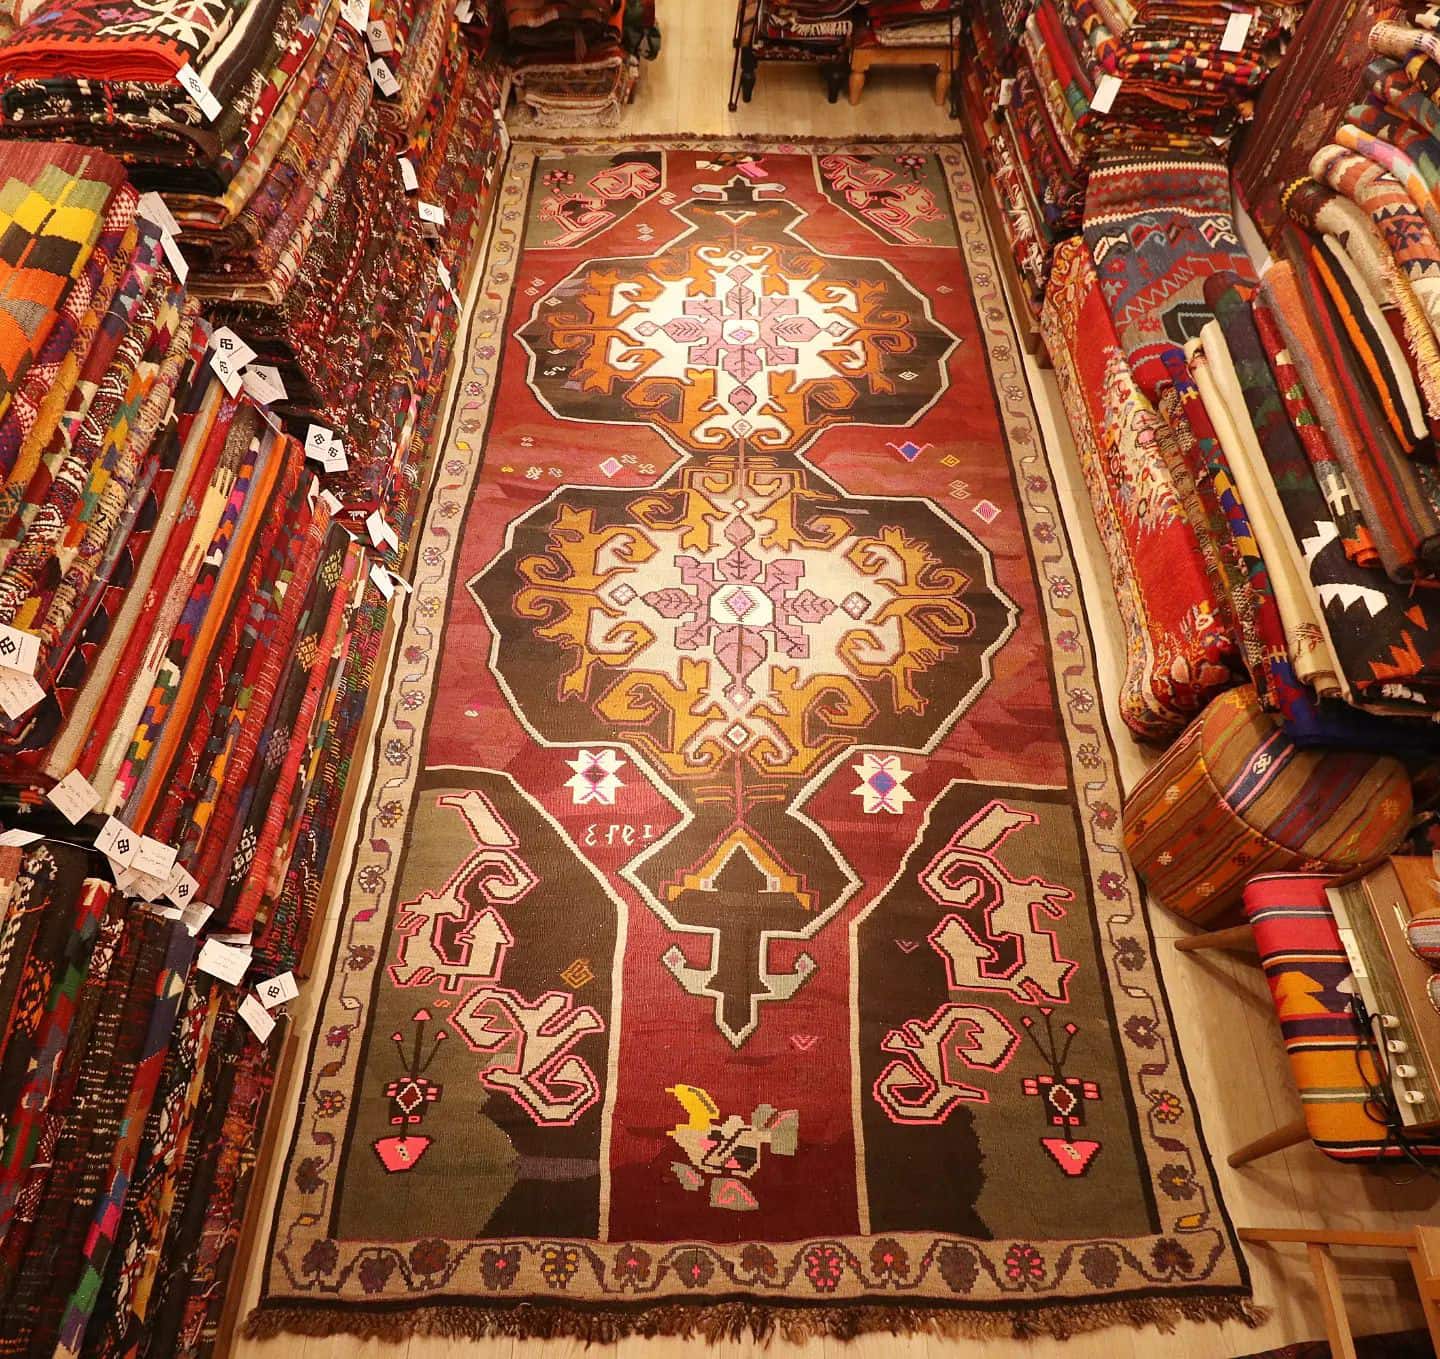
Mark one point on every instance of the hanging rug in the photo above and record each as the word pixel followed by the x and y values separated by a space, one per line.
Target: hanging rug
pixel 739 937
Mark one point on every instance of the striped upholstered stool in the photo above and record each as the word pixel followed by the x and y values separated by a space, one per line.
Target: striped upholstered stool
pixel 1234 796
pixel 1305 964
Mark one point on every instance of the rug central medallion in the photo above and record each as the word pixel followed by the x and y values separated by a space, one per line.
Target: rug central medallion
pixel 745 624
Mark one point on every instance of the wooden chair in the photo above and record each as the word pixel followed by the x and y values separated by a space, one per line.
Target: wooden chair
pixel 1420 1244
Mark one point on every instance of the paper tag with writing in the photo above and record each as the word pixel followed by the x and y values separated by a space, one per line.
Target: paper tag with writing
pixel 408 177
pixel 117 842
pixel 335 459
pixel 235 938
pixel 153 208
pixel 264 383
pixel 1007 92
pixel 155 859
pixel 195 915
pixel 178 264
pixel 223 960
pixel 277 990
pixel 317 442
pixel 199 91
pixel 464 11
pixel 1106 88
pixel 356 13
pixel 1237 29
pixel 432 213
pixel 18 693
pixel 19 650
pixel 377 34
pixel 384 78
pixel 381 534
pixel 75 796
pixel 133 883
pixel 231 355
pixel 332 502
pixel 182 887
pixel 260 1020
pixel 19 839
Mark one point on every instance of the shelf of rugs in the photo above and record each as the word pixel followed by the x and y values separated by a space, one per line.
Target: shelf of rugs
pixel 218 412
pixel 1056 87
pixel 1283 420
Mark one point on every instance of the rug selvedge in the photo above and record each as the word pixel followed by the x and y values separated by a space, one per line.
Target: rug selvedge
pixel 593 1283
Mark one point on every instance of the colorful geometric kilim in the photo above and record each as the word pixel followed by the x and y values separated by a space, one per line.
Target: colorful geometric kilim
pixel 740 934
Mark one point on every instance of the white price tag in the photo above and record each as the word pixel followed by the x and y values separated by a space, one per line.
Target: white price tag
pixel 431 213
pixel 75 796
pixel 199 91
pixel 231 355
pixel 277 990
pixel 464 11
pixel 264 383
pixel 383 581
pixel 335 459
pixel 155 859
pixel 1007 92
pixel 378 36
pixel 356 13
pixel 1106 88
pixel 18 650
pixel 195 915
pixel 153 208
pixel 133 883
pixel 260 1020
pixel 178 264
pixel 408 177
pixel 223 960
pixel 381 534
pixel 18 694
pixel 332 502
pixel 19 839
pixel 117 842
pixel 182 887
pixel 384 78
pixel 317 442
pixel 235 938
pixel 225 341
pixel 1237 29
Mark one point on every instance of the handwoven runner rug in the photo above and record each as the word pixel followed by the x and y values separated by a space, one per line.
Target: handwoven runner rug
pixel 740 935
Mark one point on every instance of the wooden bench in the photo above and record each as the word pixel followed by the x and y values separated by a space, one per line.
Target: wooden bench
pixel 863 58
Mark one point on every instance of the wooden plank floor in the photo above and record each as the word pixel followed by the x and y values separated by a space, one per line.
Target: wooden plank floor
pixel 1223 1015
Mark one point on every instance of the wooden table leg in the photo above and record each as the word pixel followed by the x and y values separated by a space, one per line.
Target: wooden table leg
pixel 1288 1136
pixel 1332 1302
pixel 942 86
pixel 857 84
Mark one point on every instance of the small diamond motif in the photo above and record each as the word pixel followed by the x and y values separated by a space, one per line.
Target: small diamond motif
pixel 855 604
pixel 610 466
pixel 909 376
pixel 986 512
pixel 949 460
pixel 740 602
pixel 737 736
pixel 622 593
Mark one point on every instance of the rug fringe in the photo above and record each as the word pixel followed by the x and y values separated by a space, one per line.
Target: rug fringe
pixel 742 1320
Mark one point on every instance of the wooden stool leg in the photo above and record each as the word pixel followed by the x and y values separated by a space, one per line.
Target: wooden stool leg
pixel 1288 1136
pixel 1332 1302
pixel 1237 936
pixel 857 84
pixel 1425 1264
pixel 942 86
